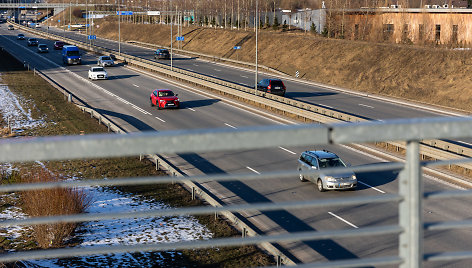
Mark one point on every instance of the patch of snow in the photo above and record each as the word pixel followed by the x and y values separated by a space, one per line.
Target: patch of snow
pixel 128 232
pixel 12 213
pixel 11 109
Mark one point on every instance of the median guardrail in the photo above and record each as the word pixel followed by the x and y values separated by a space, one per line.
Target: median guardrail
pixel 304 111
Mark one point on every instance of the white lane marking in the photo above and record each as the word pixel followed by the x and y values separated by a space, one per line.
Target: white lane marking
pixel 244 76
pixel 364 105
pixel 341 219
pixel 195 64
pixel 218 70
pixel 135 85
pixel 139 109
pixel 377 189
pixel 160 119
pixel 327 106
pixel 230 126
pixel 191 109
pixel 253 170
pixel 287 150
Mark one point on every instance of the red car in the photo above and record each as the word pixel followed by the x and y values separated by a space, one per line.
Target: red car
pixel 58 45
pixel 164 98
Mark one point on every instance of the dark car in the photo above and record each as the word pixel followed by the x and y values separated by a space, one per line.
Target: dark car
pixel 58 45
pixel 43 48
pixel 32 42
pixel 20 37
pixel 162 54
pixel 164 98
pixel 273 86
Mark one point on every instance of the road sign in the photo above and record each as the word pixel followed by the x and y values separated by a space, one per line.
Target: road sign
pixel 124 13
pixel 90 37
pixel 237 47
pixel 179 38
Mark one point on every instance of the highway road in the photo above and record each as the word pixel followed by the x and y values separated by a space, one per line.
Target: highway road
pixel 124 98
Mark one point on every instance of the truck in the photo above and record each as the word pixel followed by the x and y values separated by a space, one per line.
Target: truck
pixel 71 55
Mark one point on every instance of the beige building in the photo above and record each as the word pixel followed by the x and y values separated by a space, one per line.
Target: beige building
pixel 450 26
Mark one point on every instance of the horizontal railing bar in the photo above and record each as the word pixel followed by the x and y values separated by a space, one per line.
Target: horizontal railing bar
pixel 210 140
pixel 177 141
pixel 171 179
pixel 197 244
pixel 448 256
pixel 350 263
pixel 447 162
pixel 448 194
pixel 205 210
pixel 439 226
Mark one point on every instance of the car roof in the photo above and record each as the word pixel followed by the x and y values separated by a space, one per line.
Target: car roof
pixel 322 154
pixel 163 90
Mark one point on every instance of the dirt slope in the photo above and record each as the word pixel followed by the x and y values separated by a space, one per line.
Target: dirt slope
pixel 437 76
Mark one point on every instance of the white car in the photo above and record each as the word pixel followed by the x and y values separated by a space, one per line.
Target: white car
pixel 37 25
pixel 105 61
pixel 96 73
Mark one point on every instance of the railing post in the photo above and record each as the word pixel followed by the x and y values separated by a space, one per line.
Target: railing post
pixel 410 209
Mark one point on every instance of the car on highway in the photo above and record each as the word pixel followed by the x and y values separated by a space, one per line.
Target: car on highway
pixel 105 61
pixel 32 42
pixel 164 98
pixel 20 37
pixel 319 160
pixel 38 25
pixel 58 45
pixel 43 48
pixel 10 27
pixel 162 54
pixel 96 73
pixel 273 86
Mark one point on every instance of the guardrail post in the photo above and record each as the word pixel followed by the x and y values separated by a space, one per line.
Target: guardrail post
pixel 278 261
pixel 410 209
pixel 140 157
pixel 69 98
pixel 193 193
pixel 244 232
pixel 91 114
pixel 108 127
pixel 34 71
pixel 99 120
pixel 157 164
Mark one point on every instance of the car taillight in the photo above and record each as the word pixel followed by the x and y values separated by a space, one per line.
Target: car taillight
pixel 268 87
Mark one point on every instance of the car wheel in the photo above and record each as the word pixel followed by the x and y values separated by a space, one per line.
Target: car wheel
pixel 152 104
pixel 302 178
pixel 319 183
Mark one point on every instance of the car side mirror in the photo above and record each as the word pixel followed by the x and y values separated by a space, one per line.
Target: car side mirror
pixel 176 95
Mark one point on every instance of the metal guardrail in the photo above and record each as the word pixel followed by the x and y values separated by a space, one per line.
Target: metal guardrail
pixel 410 194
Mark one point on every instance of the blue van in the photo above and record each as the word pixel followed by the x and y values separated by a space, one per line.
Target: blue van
pixel 71 55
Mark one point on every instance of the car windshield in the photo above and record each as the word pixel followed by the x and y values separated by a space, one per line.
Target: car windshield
pixel 59 43
pixel 331 162
pixel 20 35
pixel 277 83
pixel 166 93
pixel 73 53
pixel 33 40
pixel 106 58
pixel 43 46
pixel 98 69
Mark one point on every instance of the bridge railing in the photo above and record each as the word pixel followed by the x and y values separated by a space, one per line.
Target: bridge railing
pixel 410 196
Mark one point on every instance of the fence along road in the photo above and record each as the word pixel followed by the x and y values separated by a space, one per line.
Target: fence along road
pixel 333 101
pixel 307 191
pixel 410 195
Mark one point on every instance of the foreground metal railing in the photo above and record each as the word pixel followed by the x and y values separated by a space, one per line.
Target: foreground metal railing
pixel 410 194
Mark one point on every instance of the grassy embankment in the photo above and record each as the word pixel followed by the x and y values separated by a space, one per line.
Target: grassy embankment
pixel 63 118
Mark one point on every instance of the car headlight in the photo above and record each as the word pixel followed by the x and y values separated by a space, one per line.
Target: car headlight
pixel 353 177
pixel 162 101
pixel 177 99
pixel 330 179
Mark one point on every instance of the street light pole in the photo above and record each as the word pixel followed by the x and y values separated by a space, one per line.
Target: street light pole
pixel 119 28
pixel 257 27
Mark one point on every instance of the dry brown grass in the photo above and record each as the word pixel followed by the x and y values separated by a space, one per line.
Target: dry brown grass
pixel 50 202
pixel 429 75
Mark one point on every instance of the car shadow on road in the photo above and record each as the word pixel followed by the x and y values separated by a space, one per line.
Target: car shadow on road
pixel 117 77
pixel 328 248
pixel 299 94
pixel 198 103
pixel 131 120
pixel 375 178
